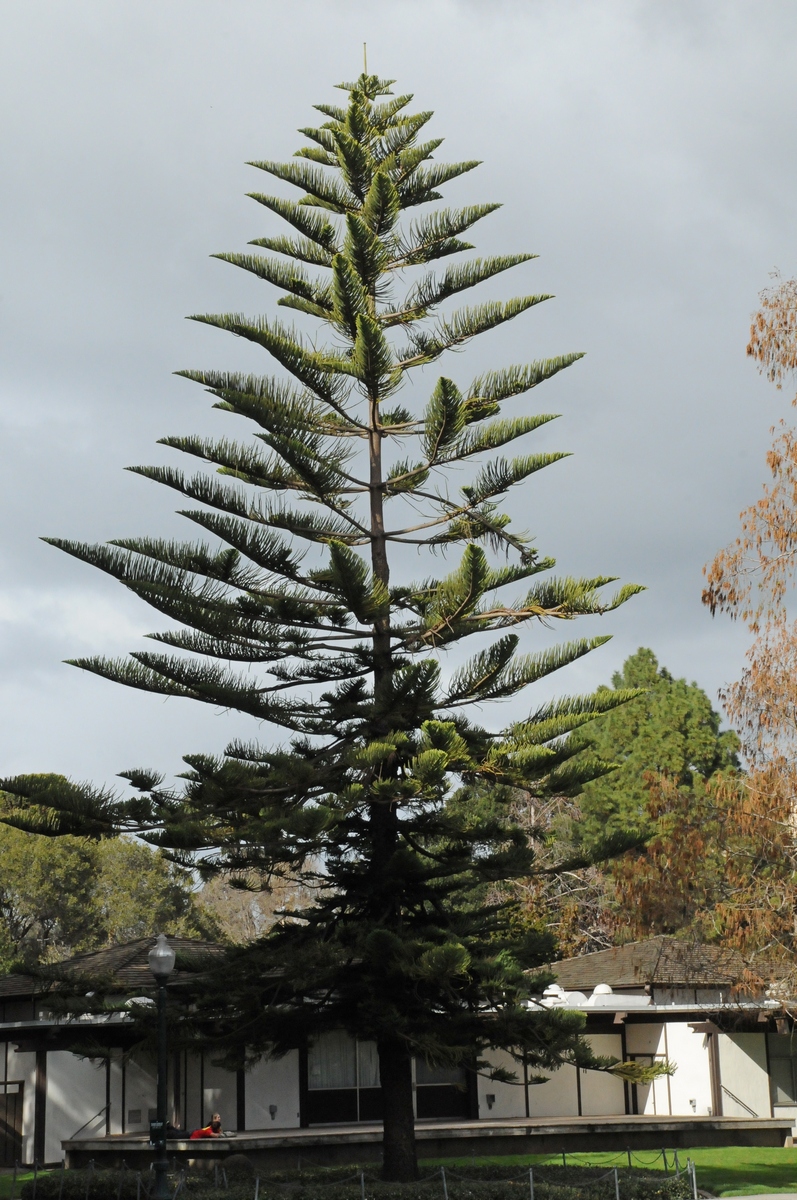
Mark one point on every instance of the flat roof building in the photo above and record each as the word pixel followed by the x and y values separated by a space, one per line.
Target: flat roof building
pixel 660 999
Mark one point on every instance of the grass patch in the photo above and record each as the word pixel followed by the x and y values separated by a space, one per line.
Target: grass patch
pixel 721 1170
pixel 7 1182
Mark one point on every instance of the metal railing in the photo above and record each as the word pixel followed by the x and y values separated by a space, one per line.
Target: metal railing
pixel 736 1100
pixel 104 1109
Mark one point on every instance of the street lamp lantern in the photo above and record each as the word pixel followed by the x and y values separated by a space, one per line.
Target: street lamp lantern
pixel 161 964
pixel 161 959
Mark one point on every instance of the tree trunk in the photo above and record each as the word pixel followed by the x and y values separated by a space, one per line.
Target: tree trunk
pixel 383 662
pixel 399 1158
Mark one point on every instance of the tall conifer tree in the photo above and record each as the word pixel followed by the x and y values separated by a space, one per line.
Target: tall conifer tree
pixel 293 614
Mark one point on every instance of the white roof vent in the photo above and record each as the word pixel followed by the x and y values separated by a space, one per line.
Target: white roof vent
pixel 553 989
pixel 603 989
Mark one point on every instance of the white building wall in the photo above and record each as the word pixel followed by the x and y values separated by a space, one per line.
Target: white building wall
pixel 141 1093
pixel 647 1038
pixel 690 1086
pixel 116 1124
pixel 556 1098
pixel 509 1100
pixel 273 1081
pixel 75 1100
pixel 743 1073
pixel 603 1094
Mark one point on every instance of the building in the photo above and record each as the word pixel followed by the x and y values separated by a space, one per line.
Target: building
pixel 667 1000
pixel 653 1000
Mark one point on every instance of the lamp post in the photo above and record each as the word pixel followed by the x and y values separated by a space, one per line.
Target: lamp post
pixel 161 964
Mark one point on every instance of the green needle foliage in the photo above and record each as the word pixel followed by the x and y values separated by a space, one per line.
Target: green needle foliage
pixel 292 614
pixel 671 729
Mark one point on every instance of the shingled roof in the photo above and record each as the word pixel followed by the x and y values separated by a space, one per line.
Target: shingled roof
pixel 125 965
pixel 666 961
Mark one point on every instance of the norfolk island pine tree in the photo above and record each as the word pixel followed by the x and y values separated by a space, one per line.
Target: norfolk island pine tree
pixel 290 615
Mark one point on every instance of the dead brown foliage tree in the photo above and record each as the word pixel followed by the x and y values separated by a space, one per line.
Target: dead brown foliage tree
pixel 752 580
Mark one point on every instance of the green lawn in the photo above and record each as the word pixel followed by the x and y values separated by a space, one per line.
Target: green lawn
pixel 7 1179
pixel 729 1171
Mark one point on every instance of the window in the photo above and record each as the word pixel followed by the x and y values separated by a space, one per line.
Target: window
pixel 343 1084
pixel 367 1065
pixel 425 1074
pixel 441 1091
pixel 342 1080
pixel 782 1049
pixel 332 1062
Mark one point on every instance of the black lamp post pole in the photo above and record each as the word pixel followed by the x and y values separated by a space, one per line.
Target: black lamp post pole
pixel 161 963
pixel 161 1164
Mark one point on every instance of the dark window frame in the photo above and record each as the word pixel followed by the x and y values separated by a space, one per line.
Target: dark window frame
pixel 434 1098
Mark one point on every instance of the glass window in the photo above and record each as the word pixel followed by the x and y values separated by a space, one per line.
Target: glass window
pixel 780 1074
pixel 332 1061
pixel 781 1045
pixel 367 1065
pixel 782 1053
pixel 425 1074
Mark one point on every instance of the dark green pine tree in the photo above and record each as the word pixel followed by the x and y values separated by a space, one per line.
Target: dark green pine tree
pixel 670 729
pixel 292 614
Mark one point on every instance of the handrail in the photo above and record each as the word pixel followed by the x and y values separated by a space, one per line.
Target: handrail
pixel 746 1107
pixel 104 1108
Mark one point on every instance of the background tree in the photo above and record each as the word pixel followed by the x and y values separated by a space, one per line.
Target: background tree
pixel 655 807
pixel 138 893
pixel 244 913
pixel 292 614
pixel 46 907
pixel 566 897
pixel 670 730
pixel 677 882
pixel 720 867
pixel 752 580
pixel 61 896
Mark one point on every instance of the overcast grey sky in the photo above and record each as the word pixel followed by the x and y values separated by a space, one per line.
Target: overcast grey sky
pixel 646 152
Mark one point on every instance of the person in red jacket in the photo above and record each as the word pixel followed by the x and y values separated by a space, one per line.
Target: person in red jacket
pixel 209 1131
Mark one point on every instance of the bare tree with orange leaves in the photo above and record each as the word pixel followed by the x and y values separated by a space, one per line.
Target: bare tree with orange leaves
pixel 720 868
pixel 753 580
pixel 753 577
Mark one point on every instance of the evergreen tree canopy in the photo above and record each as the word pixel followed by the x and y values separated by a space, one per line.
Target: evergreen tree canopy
pixel 670 729
pixel 291 611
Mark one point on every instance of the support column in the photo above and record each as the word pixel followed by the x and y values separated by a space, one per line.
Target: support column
pixel 40 1106
pixel 714 1072
pixel 303 1080
pixel 240 1099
